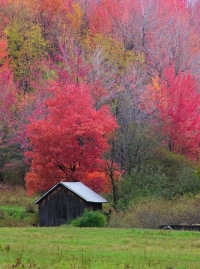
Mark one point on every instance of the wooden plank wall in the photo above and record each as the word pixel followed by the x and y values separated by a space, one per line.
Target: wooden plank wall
pixel 60 206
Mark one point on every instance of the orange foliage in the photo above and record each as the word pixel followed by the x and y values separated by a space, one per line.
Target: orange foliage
pixel 97 181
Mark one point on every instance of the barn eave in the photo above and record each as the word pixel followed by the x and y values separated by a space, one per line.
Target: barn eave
pixel 79 189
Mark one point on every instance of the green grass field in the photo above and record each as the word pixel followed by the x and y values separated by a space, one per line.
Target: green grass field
pixel 23 246
pixel 98 248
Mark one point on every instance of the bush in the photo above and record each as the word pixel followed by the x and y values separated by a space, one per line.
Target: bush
pixel 34 220
pixel 2 214
pixel 153 212
pixel 139 184
pixel 30 208
pixel 90 219
pixel 168 180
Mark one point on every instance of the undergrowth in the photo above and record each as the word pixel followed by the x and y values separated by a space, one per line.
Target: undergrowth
pixel 16 208
pixel 90 219
pixel 152 212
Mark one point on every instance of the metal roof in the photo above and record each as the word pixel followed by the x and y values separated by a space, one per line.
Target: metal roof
pixel 80 189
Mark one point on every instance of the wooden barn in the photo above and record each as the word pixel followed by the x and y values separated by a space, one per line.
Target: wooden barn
pixel 66 201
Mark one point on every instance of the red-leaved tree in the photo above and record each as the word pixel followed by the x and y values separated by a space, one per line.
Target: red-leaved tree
pixel 69 142
pixel 8 95
pixel 173 102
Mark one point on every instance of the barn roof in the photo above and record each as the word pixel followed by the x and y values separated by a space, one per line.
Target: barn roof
pixel 80 189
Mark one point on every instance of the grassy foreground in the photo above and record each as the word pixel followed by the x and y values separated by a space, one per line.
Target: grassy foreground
pixel 74 248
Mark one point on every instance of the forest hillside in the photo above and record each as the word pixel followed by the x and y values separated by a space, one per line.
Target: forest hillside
pixel 103 92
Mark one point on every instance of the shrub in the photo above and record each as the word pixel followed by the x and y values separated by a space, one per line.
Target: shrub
pixel 152 212
pixel 34 220
pixel 139 184
pixel 164 181
pixel 90 219
pixel 30 208
pixel 2 214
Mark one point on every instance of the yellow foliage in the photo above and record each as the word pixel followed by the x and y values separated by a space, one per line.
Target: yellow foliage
pixel 112 51
pixel 25 45
pixel 75 17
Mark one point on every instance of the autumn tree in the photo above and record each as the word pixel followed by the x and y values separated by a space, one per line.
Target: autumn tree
pixel 26 47
pixel 173 104
pixel 162 30
pixel 116 47
pixel 70 140
pixel 9 150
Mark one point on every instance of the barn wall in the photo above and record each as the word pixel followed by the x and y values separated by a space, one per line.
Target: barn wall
pixel 94 206
pixel 60 206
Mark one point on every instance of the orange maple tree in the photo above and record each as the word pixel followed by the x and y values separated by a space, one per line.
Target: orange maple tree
pixel 69 142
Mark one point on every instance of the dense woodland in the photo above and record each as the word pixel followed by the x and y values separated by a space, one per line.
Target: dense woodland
pixel 103 92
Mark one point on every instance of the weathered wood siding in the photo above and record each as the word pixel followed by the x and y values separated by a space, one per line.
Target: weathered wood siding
pixel 94 206
pixel 61 205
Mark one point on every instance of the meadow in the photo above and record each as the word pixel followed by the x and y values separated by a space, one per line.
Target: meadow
pixel 25 245
pixel 98 248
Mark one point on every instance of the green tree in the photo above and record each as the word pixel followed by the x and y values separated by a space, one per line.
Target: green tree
pixel 26 48
pixel 167 176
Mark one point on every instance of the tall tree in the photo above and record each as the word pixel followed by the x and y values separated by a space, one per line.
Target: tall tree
pixel 7 92
pixel 26 49
pixel 70 140
pixel 9 152
pixel 174 103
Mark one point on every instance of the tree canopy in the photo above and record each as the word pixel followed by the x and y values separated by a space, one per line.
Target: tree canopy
pixel 70 140
pixel 90 90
